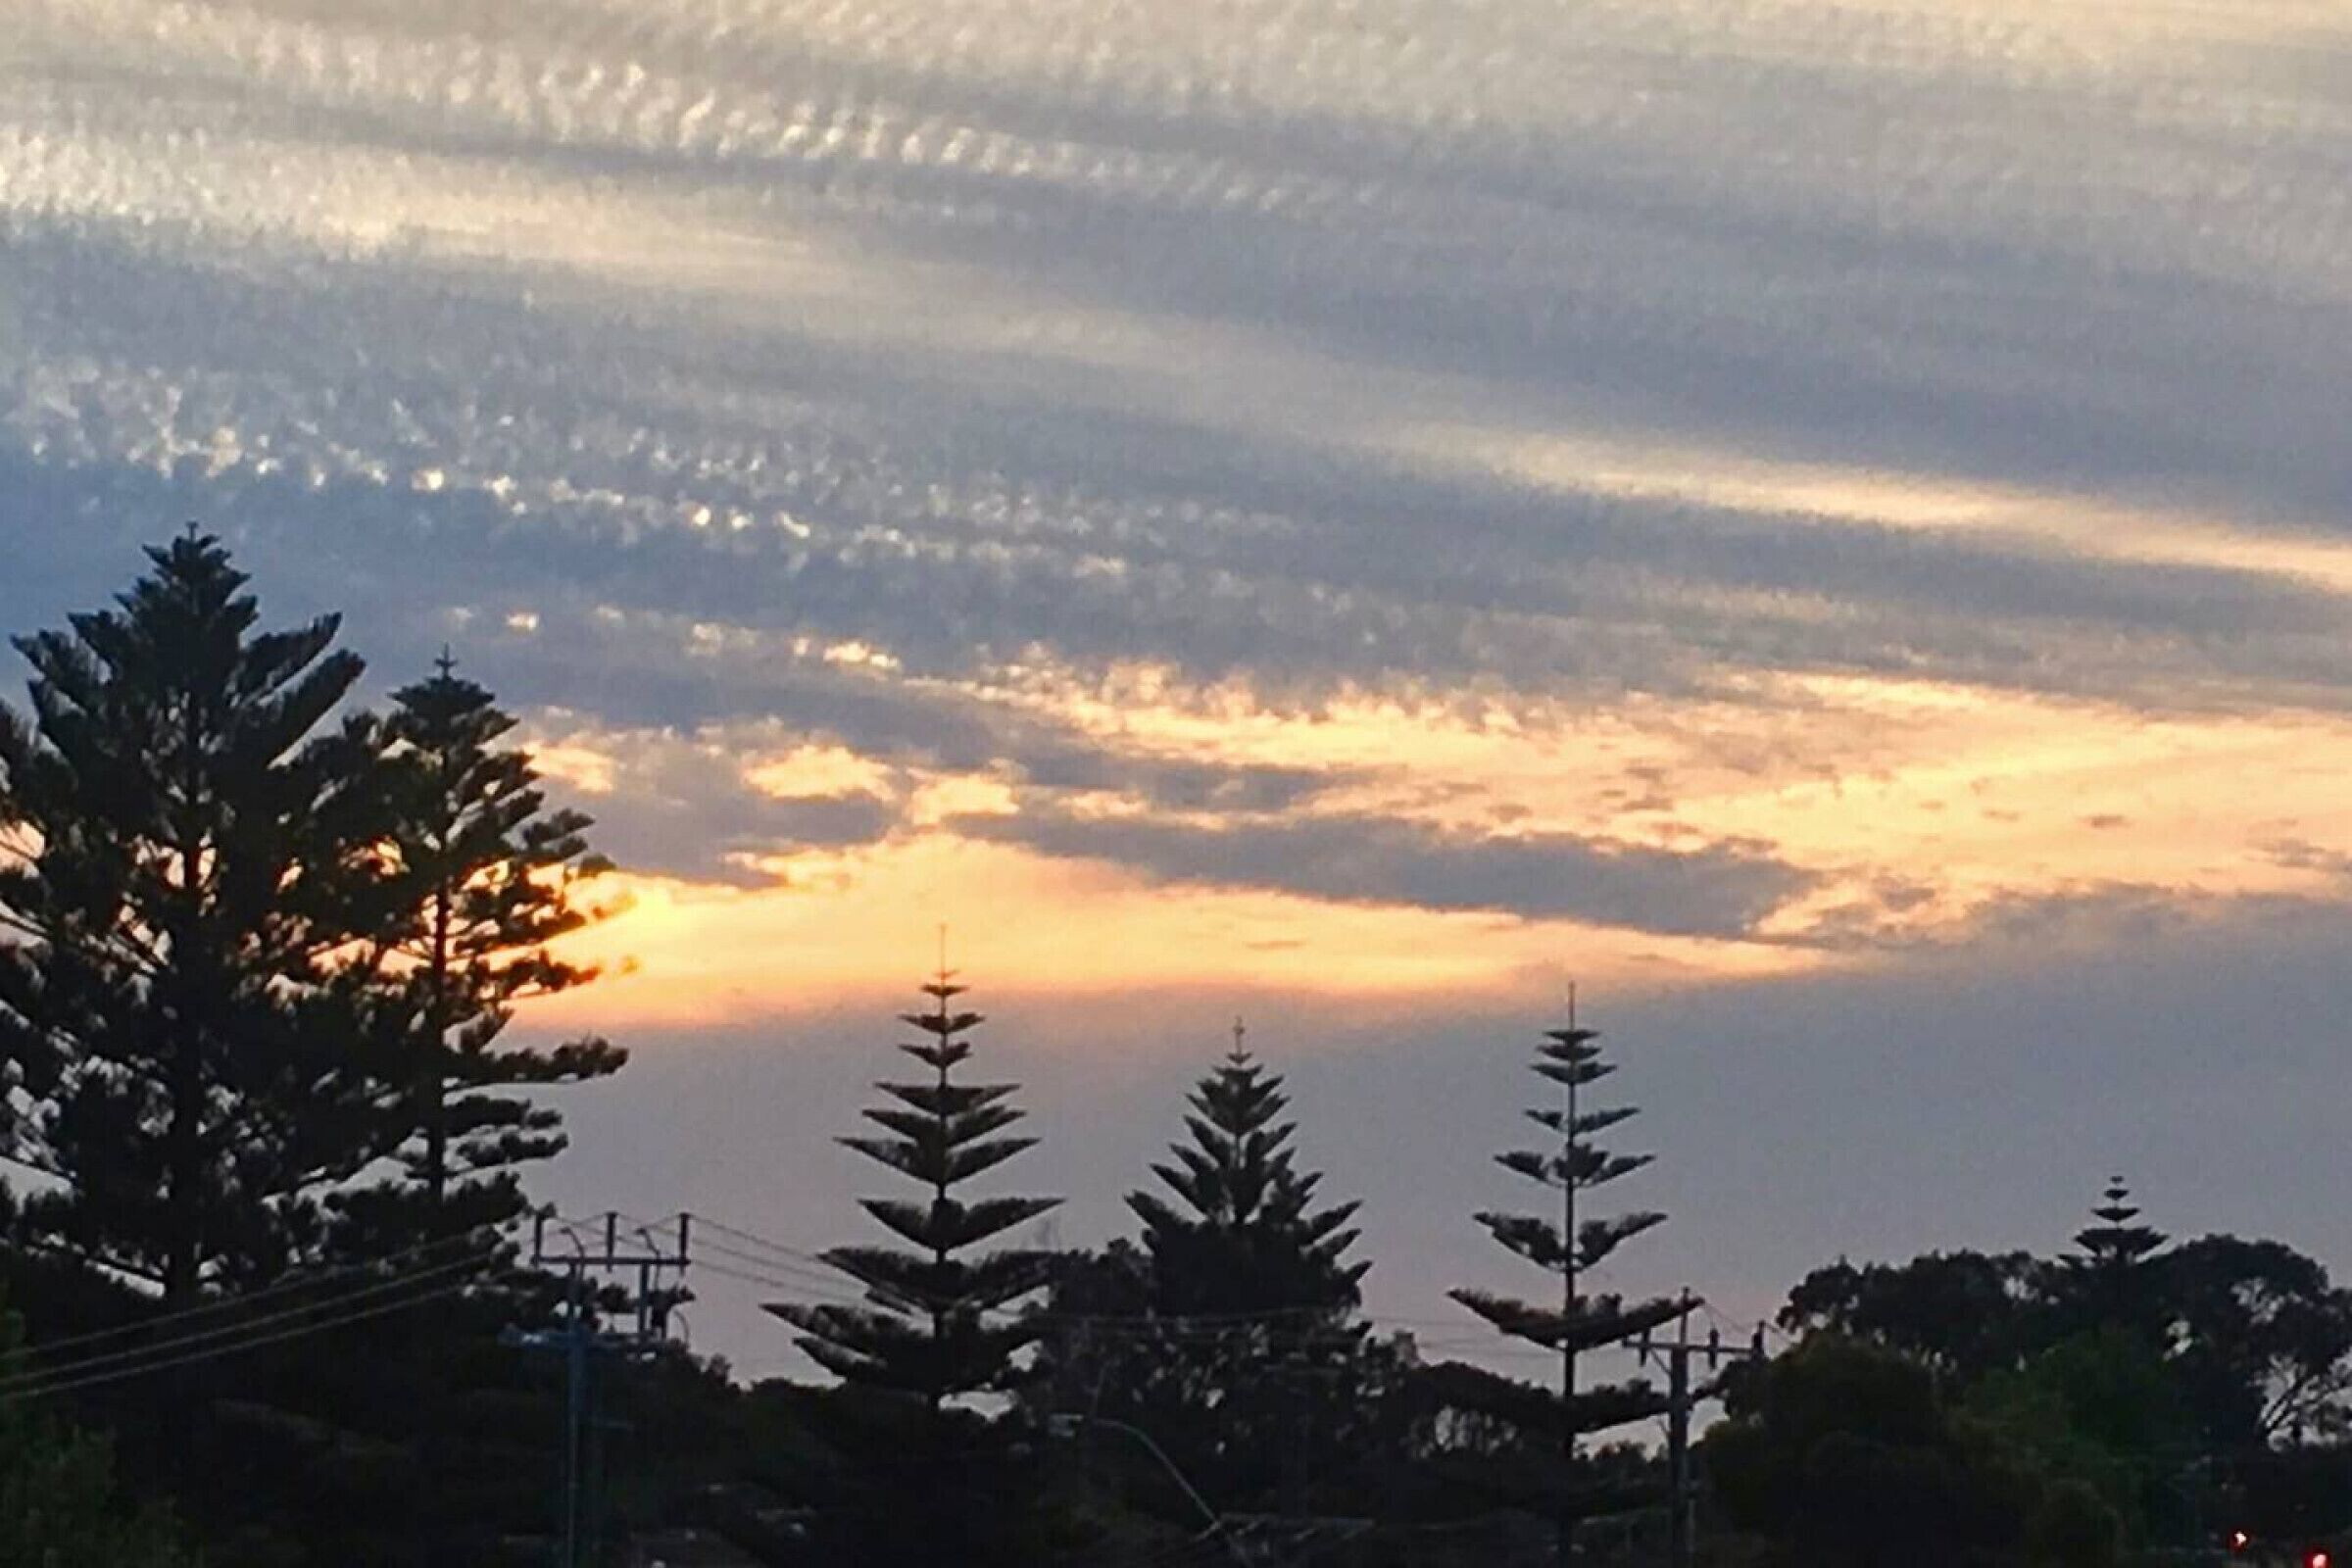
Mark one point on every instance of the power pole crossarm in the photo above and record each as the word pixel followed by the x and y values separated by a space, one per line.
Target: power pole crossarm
pixel 1682 1396
pixel 582 1336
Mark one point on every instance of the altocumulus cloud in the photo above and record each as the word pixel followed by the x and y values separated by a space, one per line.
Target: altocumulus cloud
pixel 698 363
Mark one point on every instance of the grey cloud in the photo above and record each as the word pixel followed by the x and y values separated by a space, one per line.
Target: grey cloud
pixel 1723 272
pixel 1623 250
pixel 1721 891
pixel 957 498
pixel 707 824
pixel 1349 585
pixel 2076 919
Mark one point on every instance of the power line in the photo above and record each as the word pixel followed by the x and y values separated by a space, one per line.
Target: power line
pixel 845 1297
pixel 240 1347
pixel 233 1332
pixel 805 1262
pixel 1285 1327
pixel 708 1223
pixel 811 1278
pixel 228 1303
pixel 72 1379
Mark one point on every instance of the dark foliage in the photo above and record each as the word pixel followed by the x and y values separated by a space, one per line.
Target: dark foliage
pixel 485 876
pixel 60 1505
pixel 1961 1314
pixel 916 1474
pixel 192 866
pixel 1230 1330
pixel 1846 1455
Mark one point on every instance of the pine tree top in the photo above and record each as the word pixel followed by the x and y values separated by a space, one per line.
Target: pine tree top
pixel 475 833
pixel 942 1134
pixel 944 1049
pixel 1578 1163
pixel 2116 1243
pixel 1244 1209
pixel 926 1330
pixel 1572 1055
pixel 177 673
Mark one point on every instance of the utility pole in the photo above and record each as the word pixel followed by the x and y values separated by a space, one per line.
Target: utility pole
pixel 1681 1527
pixel 1678 1439
pixel 600 1251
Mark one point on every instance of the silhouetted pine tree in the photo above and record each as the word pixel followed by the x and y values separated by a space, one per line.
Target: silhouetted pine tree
pixel 928 1330
pixel 2103 1280
pixel 1540 1473
pixel 1248 1237
pixel 487 877
pixel 190 856
pixel 917 1474
pixel 1232 1333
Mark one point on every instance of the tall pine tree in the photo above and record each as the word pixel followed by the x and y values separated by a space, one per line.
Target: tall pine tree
pixel 927 1330
pixel 915 1471
pixel 488 878
pixel 191 855
pixel 1542 1472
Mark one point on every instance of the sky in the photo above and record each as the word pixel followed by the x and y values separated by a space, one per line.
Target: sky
pixel 1828 525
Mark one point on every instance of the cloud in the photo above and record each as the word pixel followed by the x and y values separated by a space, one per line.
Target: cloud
pixel 843 369
pixel 685 805
pixel 730 803
pixel 1722 891
pixel 1386 499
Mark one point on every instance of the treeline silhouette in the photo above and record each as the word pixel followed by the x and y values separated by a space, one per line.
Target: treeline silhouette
pixel 269 1300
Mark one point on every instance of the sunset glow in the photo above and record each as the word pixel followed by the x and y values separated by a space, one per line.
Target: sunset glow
pixel 1825 524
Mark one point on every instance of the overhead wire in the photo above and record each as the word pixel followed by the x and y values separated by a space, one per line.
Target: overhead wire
pixel 238 1347
pixel 808 1262
pixel 329 1313
pixel 228 1303
pixel 1194 1327
pixel 71 1368
pixel 759 1259
pixel 747 1277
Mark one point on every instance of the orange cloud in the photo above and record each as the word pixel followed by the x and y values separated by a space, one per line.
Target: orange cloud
pixel 1921 811
pixel 846 928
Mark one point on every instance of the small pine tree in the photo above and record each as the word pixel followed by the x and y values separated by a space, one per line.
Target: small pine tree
pixel 191 855
pixel 1541 1473
pixel 926 1331
pixel 2114 1256
pixel 488 878
pixel 1248 1237
pixel 1232 1333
